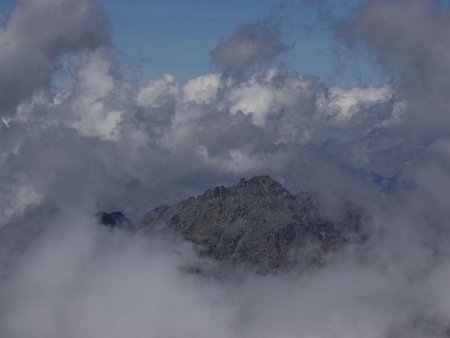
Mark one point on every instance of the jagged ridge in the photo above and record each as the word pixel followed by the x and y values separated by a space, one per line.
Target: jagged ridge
pixel 256 222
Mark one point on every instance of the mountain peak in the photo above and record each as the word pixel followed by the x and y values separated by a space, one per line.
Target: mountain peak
pixel 264 181
pixel 260 179
pixel 256 188
pixel 256 222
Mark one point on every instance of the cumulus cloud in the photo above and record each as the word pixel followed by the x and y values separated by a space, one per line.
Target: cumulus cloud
pixel 410 39
pixel 249 45
pixel 95 113
pixel 37 35
pixel 342 105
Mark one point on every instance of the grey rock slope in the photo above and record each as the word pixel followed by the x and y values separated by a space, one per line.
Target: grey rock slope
pixel 113 219
pixel 257 222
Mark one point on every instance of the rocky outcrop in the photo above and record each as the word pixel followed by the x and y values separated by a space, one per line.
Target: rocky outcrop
pixel 256 222
pixel 113 219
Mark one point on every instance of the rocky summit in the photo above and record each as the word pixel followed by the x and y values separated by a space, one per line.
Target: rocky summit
pixel 113 219
pixel 256 222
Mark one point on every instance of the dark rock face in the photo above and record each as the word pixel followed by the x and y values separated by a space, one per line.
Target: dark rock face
pixel 257 222
pixel 113 219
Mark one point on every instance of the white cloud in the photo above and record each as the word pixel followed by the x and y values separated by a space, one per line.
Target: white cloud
pixel 269 93
pixel 342 104
pixel 93 114
pixel 159 92
pixel 202 89
pixel 14 202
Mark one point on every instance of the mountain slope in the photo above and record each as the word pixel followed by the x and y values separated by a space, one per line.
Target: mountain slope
pixel 257 222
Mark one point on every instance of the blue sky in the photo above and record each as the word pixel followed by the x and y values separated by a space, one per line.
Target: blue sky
pixel 175 36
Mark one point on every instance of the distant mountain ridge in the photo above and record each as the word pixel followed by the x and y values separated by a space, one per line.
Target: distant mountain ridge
pixel 256 222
